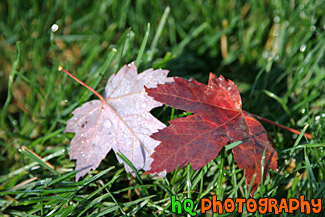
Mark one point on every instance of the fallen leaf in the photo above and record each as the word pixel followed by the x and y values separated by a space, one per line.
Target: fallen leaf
pixel 122 122
pixel 218 119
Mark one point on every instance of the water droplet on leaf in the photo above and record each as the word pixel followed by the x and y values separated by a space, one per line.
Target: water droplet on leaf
pixel 107 123
pixel 302 47
pixel 146 131
pixel 144 105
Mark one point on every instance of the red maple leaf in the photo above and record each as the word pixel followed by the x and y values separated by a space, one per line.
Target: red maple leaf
pixel 218 119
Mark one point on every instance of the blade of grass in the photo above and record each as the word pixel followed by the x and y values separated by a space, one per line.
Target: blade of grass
pixel 98 199
pixel 129 163
pixel 298 139
pixel 232 145
pixel 161 25
pixel 279 100
pixel 27 167
pixel 310 170
pixel 125 39
pixel 143 46
pixel 25 151
pixel 12 74
pixel 262 187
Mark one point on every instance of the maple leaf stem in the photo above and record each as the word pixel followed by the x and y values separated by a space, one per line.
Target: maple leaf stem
pixel 309 136
pixel 60 68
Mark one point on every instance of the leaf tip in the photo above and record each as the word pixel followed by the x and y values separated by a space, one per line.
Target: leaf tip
pixel 161 174
pixel 147 90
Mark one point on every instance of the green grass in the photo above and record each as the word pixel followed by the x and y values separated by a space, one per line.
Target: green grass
pixel 274 53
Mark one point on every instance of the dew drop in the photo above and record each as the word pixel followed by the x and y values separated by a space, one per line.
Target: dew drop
pixel 265 54
pixel 302 15
pixel 54 27
pixel 82 142
pixel 275 33
pixel 312 28
pixel 82 135
pixel 302 48
pixel 35 167
pixel 146 131
pixel 286 23
pixel 291 29
pixel 144 105
pixel 107 123
pixel 317 118
pixel 276 19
